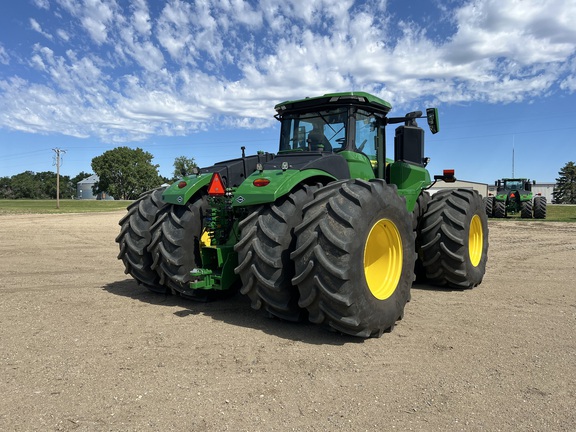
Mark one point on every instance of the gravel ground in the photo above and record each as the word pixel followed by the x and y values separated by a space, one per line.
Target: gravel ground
pixel 82 347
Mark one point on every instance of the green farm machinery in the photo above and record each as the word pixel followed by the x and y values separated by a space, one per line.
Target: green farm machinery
pixel 514 196
pixel 328 229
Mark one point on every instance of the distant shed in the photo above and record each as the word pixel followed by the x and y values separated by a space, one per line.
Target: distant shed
pixel 482 188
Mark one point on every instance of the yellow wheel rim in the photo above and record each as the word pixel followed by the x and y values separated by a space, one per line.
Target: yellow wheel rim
pixel 205 239
pixel 475 240
pixel 383 259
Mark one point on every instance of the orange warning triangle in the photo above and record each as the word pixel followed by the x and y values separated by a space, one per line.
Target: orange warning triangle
pixel 216 186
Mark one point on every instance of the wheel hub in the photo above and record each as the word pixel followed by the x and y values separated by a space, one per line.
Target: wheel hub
pixel 383 259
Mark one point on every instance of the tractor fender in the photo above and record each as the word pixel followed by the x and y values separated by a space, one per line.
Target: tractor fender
pixel 283 173
pixel 182 190
pixel 280 183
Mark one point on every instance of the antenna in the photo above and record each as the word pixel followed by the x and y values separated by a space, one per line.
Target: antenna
pixel 513 139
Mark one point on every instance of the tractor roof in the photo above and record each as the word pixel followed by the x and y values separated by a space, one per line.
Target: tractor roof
pixel 332 99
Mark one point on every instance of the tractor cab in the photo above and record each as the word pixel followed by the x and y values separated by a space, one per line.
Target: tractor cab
pixel 513 184
pixel 333 123
pixel 353 125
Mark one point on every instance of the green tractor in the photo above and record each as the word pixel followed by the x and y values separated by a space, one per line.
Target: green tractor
pixel 513 196
pixel 328 229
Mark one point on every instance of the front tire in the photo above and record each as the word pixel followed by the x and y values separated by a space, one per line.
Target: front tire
pixel 355 257
pixel 454 239
pixel 134 239
pixel 265 267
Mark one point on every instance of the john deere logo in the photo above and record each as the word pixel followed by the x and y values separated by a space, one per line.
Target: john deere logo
pixel 240 200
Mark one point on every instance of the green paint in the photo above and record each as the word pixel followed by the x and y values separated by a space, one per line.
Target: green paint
pixel 175 194
pixel 281 183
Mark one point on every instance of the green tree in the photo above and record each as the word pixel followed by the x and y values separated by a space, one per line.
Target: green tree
pixel 25 186
pixel 6 191
pixel 183 167
pixel 565 190
pixel 46 184
pixel 125 173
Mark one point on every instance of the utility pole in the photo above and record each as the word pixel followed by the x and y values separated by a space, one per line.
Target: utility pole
pixel 58 152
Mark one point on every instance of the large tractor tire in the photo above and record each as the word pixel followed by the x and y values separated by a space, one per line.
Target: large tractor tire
pixel 540 207
pixel 500 209
pixel 265 267
pixel 175 245
pixel 355 257
pixel 454 239
pixel 526 209
pixel 419 210
pixel 489 206
pixel 134 239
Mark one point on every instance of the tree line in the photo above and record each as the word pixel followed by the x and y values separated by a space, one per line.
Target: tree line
pixel 42 185
pixel 125 173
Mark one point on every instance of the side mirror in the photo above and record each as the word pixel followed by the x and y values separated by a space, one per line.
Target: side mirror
pixel 432 118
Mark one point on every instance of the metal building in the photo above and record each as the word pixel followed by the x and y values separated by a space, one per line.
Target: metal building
pixel 482 188
pixel 84 187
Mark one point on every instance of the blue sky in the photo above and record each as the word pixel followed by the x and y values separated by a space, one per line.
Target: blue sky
pixel 200 78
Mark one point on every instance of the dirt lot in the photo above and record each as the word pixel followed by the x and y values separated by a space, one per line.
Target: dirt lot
pixel 82 347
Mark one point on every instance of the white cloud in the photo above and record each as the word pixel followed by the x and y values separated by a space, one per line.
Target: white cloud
pixel 62 34
pixel 42 4
pixel 37 28
pixel 4 59
pixel 130 70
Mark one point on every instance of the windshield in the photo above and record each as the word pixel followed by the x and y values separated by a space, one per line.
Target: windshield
pixel 514 184
pixel 324 130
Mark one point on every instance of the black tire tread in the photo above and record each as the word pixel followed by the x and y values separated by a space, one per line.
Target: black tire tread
pixel 540 207
pixel 526 209
pixel 444 238
pixel 500 209
pixel 489 206
pixel 332 288
pixel 135 237
pixel 266 241
pixel 175 242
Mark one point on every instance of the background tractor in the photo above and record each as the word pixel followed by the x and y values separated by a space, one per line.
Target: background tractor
pixel 513 196
pixel 329 229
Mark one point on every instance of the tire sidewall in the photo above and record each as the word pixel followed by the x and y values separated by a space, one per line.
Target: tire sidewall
pixel 476 273
pixel 370 308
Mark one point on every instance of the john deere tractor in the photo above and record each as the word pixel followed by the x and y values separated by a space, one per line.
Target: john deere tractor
pixel 513 196
pixel 328 229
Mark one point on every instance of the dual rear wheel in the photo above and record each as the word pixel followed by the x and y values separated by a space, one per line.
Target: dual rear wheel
pixel 343 254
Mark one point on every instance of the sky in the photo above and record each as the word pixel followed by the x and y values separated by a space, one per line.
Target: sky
pixel 200 78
